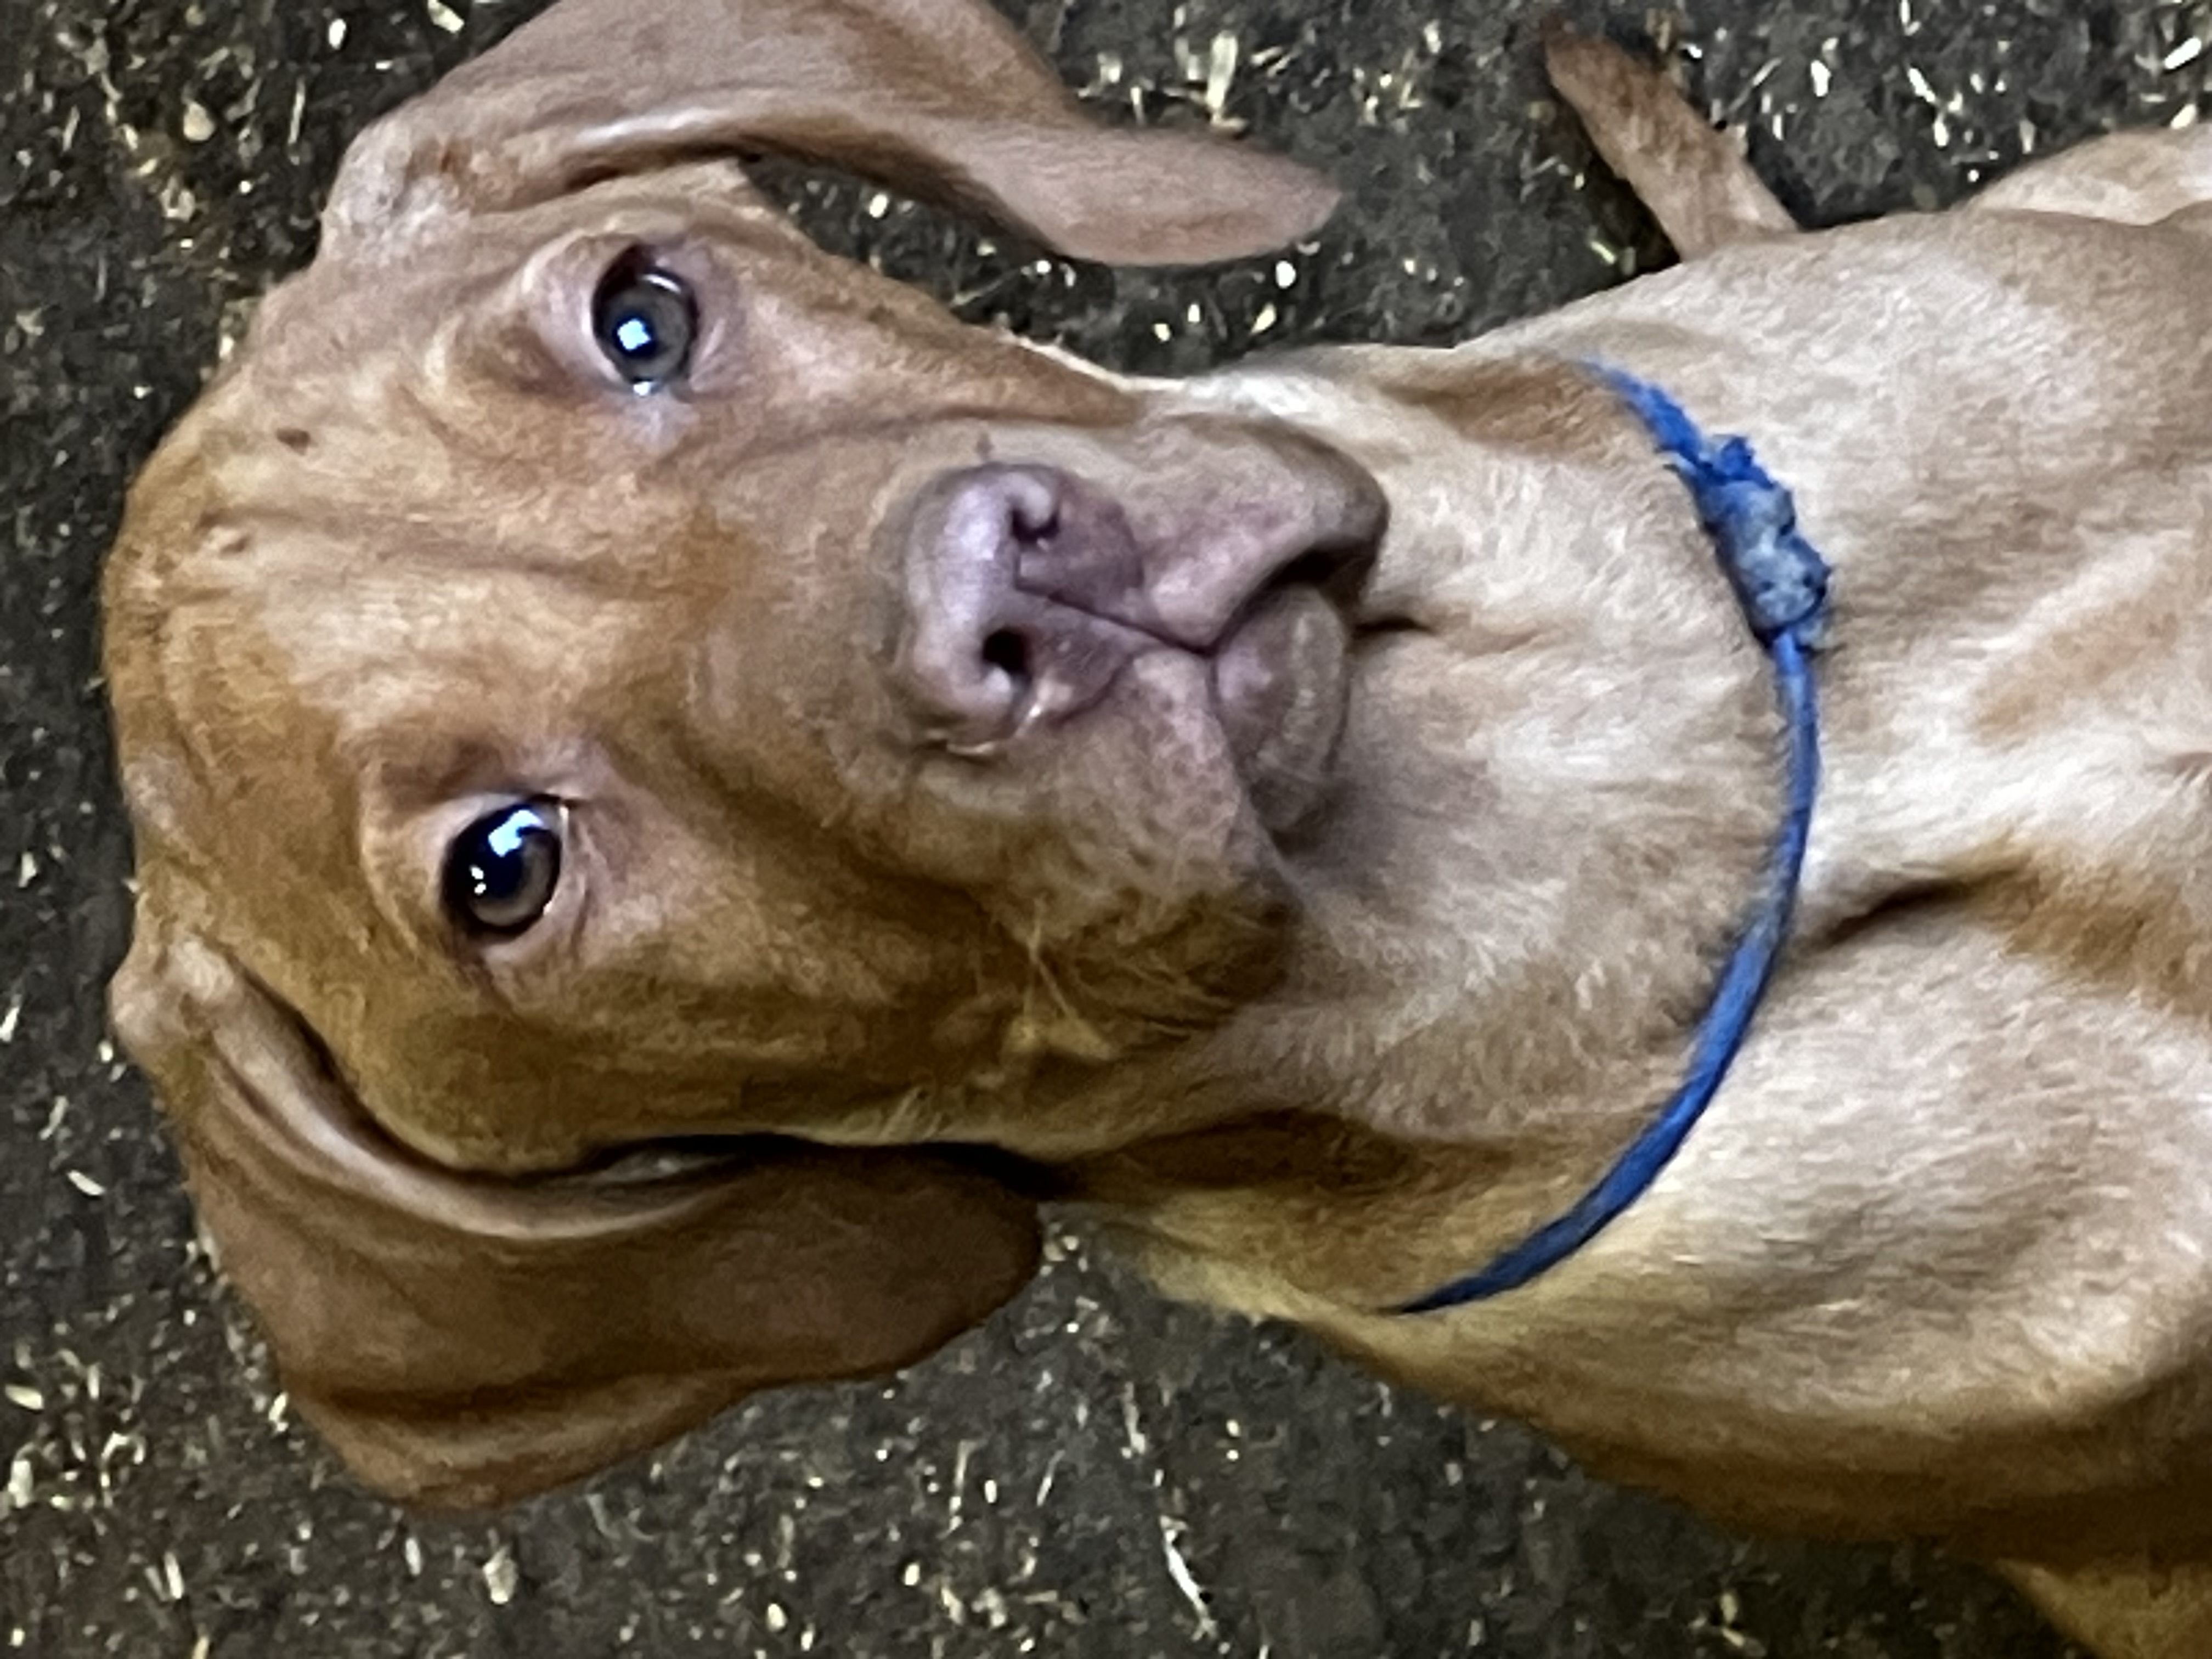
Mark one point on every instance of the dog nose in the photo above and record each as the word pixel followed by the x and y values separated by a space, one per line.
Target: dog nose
pixel 1025 598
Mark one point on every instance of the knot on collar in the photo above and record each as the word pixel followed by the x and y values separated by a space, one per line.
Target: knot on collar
pixel 1782 584
pixel 1780 580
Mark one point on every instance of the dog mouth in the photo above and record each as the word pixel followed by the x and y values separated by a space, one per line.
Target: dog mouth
pixel 1277 679
pixel 1280 678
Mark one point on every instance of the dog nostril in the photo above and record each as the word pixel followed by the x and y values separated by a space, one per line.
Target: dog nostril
pixel 1034 522
pixel 1009 652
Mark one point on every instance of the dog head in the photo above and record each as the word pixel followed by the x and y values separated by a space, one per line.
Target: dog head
pixel 597 673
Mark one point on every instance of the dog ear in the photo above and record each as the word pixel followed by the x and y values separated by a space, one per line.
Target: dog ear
pixel 464 1341
pixel 940 97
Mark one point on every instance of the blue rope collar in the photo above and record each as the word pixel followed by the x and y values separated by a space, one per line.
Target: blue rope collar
pixel 1781 583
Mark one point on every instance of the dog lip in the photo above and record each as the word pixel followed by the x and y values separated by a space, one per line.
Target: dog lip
pixel 1232 648
pixel 1338 570
pixel 1329 539
pixel 1280 681
pixel 329 1137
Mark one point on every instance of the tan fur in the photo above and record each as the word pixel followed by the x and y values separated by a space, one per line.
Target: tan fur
pixel 1315 1027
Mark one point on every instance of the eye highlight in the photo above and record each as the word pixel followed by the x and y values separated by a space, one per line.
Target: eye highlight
pixel 502 870
pixel 646 323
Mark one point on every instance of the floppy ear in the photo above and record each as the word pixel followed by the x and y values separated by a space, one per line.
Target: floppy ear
pixel 465 1342
pixel 940 97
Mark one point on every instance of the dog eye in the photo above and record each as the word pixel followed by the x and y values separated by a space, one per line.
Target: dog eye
pixel 501 871
pixel 644 320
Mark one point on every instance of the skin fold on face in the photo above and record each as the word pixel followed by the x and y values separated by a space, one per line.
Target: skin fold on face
pixel 687 629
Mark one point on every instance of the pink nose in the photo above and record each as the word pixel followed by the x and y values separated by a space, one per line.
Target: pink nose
pixel 1029 589
pixel 1025 598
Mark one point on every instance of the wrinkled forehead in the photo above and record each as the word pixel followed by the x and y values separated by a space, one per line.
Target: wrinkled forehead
pixel 447 342
pixel 395 528
pixel 393 642
pixel 389 295
pixel 469 376
pixel 262 723
pixel 294 606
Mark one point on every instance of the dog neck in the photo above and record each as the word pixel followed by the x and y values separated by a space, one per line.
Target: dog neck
pixel 1782 584
pixel 1557 809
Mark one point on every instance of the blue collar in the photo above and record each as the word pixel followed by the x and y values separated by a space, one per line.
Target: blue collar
pixel 1781 583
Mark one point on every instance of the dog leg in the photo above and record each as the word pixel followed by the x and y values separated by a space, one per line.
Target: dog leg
pixel 2121 1612
pixel 1689 173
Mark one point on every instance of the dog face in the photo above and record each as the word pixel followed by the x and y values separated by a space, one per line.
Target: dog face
pixel 598 671
pixel 858 686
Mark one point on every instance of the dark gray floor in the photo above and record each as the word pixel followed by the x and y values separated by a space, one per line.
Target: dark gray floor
pixel 1095 1474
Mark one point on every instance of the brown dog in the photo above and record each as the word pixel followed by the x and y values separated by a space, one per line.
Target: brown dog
pixel 680 790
